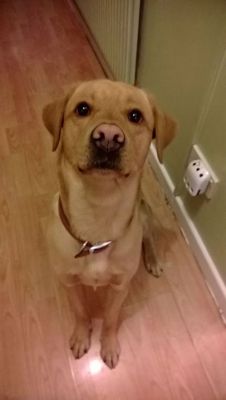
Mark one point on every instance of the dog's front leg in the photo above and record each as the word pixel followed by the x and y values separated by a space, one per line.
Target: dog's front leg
pixel 110 347
pixel 80 339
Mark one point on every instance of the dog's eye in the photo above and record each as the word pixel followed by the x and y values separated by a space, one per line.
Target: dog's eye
pixel 135 116
pixel 83 109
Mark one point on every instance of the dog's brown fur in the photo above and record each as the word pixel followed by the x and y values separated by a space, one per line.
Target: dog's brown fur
pixel 102 204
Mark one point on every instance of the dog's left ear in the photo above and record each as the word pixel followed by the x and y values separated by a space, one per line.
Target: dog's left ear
pixel 53 117
pixel 164 130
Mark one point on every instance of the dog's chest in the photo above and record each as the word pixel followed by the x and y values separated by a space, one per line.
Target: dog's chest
pixel 100 269
pixel 93 270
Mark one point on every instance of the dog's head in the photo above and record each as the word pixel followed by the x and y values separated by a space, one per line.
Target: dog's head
pixel 107 126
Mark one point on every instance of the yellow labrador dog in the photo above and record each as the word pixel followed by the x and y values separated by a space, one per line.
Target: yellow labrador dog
pixel 102 131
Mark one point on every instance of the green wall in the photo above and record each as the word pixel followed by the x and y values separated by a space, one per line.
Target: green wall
pixel 210 216
pixel 181 44
pixel 182 61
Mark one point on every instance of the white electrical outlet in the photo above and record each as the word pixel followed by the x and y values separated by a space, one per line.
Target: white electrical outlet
pixel 196 178
pixel 197 186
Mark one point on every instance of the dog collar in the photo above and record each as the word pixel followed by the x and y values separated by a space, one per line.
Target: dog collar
pixel 87 247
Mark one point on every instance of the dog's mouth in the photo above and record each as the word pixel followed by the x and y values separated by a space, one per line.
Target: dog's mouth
pixel 104 163
pixel 101 160
pixel 101 168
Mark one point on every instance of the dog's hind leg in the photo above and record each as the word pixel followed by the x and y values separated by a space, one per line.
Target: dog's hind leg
pixel 152 265
pixel 151 260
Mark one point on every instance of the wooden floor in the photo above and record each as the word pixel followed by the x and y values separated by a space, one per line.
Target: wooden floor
pixel 173 340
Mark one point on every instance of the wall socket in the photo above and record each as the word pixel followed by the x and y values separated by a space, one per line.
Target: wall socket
pixel 196 154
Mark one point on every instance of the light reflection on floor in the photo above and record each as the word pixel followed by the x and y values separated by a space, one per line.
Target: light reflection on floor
pixel 95 366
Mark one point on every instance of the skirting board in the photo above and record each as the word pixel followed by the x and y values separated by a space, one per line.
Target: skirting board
pixel 207 265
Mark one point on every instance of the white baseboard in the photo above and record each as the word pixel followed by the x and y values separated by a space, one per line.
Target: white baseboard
pixel 214 281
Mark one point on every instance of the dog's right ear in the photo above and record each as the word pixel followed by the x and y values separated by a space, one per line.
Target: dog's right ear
pixel 53 117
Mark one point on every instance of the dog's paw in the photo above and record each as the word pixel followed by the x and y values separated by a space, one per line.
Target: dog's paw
pixel 155 269
pixel 110 350
pixel 80 340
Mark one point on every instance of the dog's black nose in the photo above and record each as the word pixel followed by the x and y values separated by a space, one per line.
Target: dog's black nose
pixel 108 137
